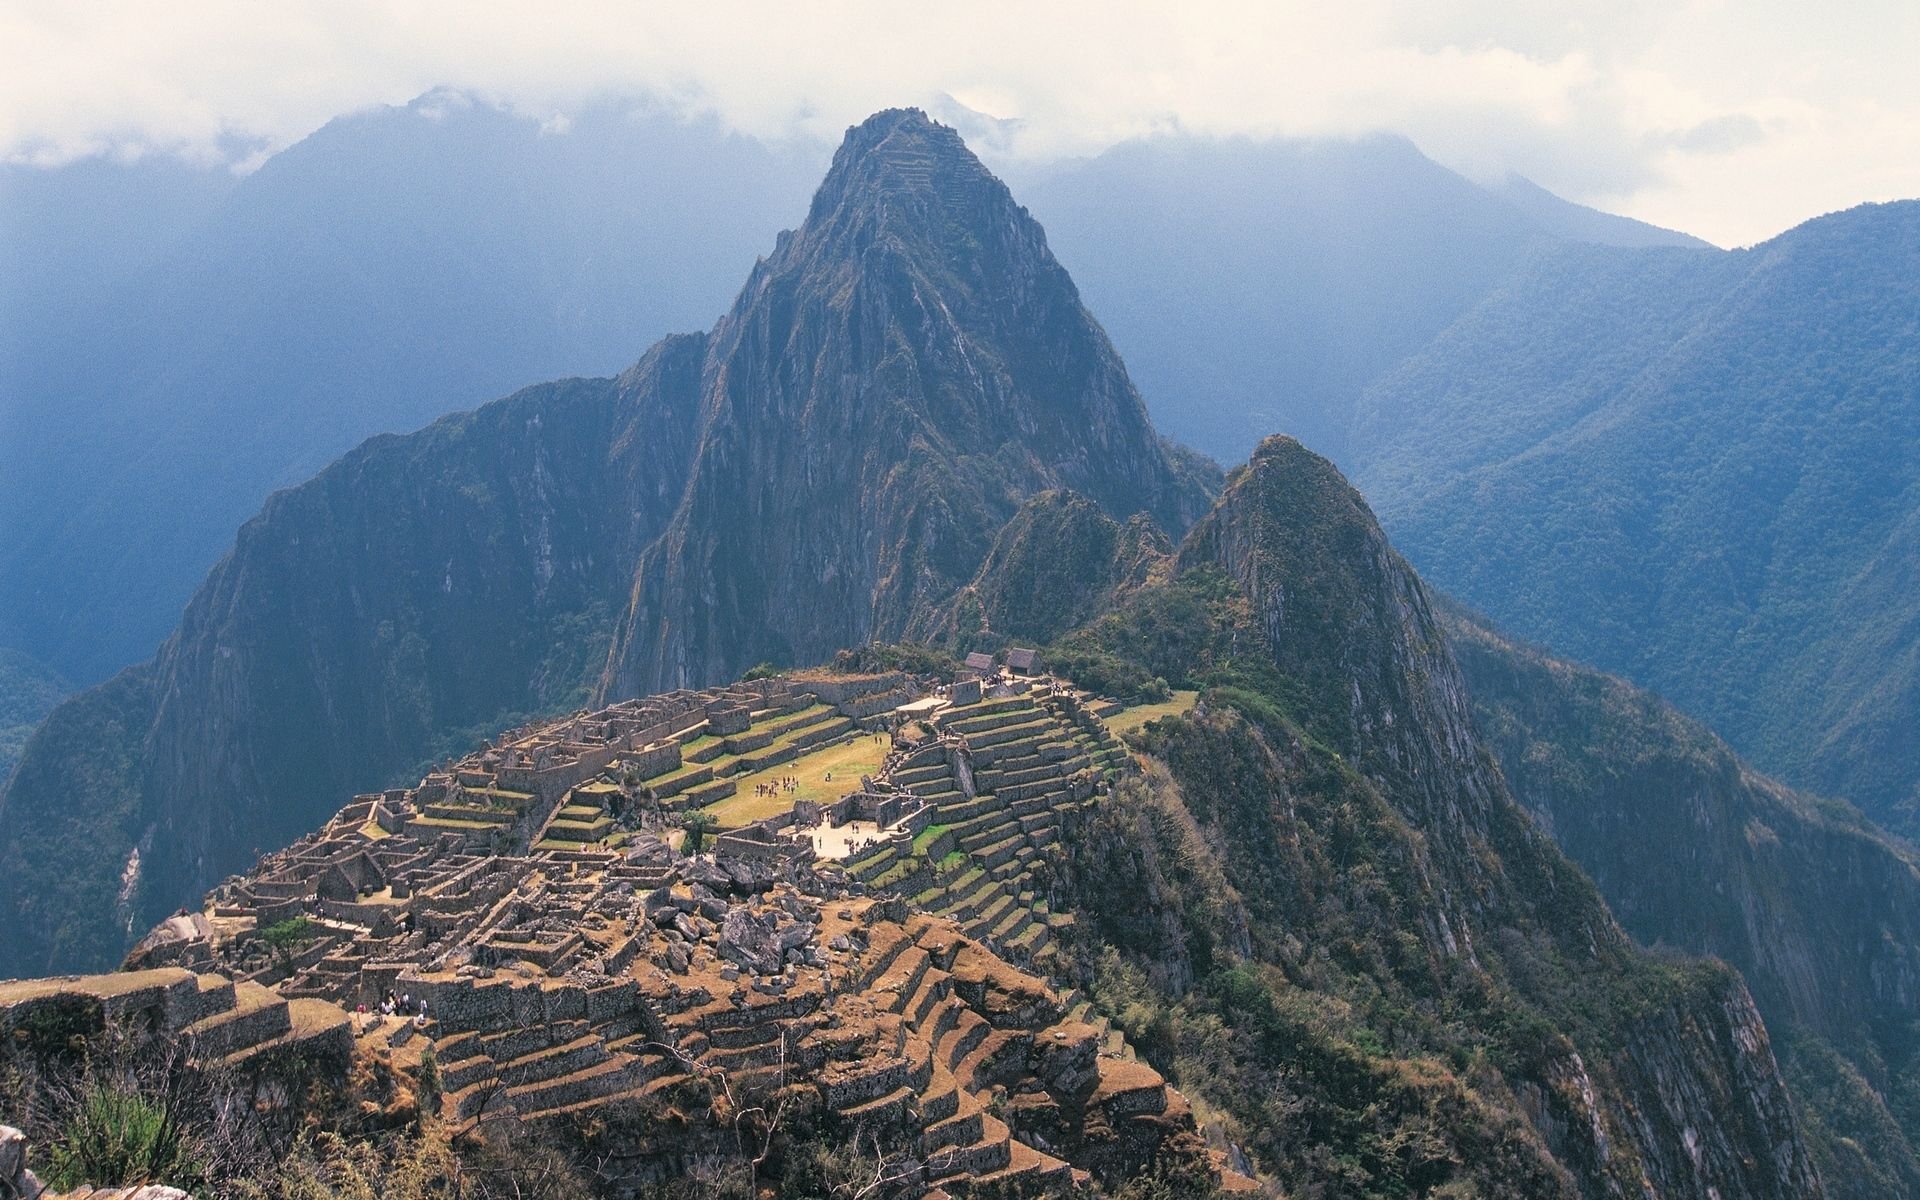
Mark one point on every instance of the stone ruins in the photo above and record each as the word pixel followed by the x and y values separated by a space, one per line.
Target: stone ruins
pixel 870 886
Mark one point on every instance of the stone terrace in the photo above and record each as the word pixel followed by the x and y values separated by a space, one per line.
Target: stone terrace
pixel 573 962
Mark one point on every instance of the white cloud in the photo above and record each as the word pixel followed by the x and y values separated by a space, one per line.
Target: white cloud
pixel 1730 120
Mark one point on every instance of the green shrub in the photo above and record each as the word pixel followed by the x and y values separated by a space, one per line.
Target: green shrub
pixel 697 826
pixel 117 1137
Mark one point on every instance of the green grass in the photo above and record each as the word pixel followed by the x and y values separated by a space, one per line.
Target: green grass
pixel 1128 720
pixel 927 837
pixel 845 761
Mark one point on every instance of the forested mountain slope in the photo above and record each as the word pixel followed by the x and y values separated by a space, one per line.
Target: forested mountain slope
pixel 1818 909
pixel 1323 914
pixel 1699 470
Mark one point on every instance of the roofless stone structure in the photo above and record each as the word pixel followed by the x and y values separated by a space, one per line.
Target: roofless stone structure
pixel 855 941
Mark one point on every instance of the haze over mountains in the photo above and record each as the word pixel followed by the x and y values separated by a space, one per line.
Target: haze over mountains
pixel 228 336
pixel 1698 469
pixel 387 270
pixel 1259 287
pixel 1319 904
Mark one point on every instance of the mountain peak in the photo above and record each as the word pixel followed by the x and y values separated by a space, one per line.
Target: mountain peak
pixel 901 162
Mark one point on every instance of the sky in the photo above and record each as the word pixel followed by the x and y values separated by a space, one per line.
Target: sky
pixel 1732 121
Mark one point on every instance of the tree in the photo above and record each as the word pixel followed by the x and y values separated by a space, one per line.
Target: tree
pixel 286 937
pixel 697 825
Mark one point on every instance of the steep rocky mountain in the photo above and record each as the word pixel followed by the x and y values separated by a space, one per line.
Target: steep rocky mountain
pixel 905 368
pixel 1324 916
pixel 228 335
pixel 1699 470
pixel 189 341
pixel 1818 909
pixel 1259 287
pixel 835 456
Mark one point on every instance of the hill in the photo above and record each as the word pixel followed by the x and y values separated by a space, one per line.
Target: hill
pixel 1305 899
pixel 1698 470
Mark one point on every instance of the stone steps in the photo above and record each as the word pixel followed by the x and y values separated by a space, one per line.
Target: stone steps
pixel 990 833
pixel 652 1075
pixel 985 1156
pixel 927 995
pixel 914 776
pixel 877 959
pixel 890 1109
pixel 902 977
pixel 1030 940
pixel 964 1127
pixel 466 1072
pixel 826 731
pixel 1001 852
pixel 804 720
pixel 940 1097
pixel 958 1042
pixel 1015 919
pixel 1027 1170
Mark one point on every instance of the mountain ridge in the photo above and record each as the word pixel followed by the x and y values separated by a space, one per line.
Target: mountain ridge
pixel 1817 908
pixel 1698 471
pixel 429 587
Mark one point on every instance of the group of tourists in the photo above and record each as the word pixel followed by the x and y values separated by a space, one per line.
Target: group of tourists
pixel 403 1005
pixel 786 783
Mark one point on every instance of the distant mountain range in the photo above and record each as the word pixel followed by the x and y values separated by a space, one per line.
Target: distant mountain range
pixel 1257 287
pixel 1323 907
pixel 822 469
pixel 227 336
pixel 1698 469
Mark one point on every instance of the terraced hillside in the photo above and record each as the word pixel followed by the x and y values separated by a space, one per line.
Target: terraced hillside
pixel 569 970
pixel 1003 778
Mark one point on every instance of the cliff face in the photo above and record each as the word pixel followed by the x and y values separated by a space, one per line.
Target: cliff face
pixel 1819 910
pixel 835 457
pixel 1332 922
pixel 903 371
